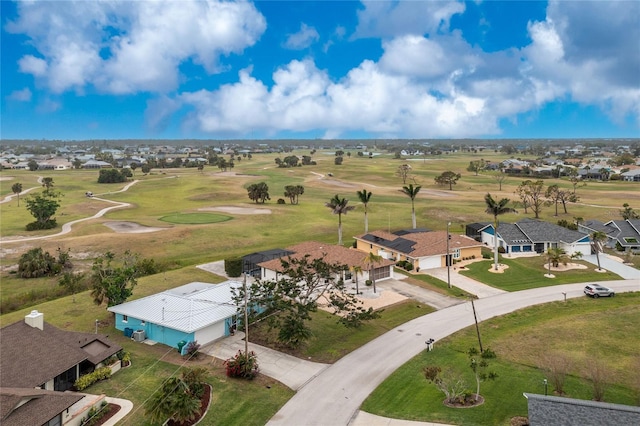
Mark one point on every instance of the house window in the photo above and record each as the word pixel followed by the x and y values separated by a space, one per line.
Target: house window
pixel 125 318
pixel 456 253
pixel 371 246
pixel 143 323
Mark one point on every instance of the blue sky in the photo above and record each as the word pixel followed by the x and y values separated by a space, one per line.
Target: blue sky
pixel 328 69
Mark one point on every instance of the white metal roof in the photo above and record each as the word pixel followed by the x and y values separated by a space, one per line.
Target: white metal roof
pixel 186 308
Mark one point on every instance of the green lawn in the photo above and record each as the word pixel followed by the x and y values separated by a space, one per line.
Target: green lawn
pixel 331 340
pixel 234 401
pixel 521 341
pixel 528 272
pixel 195 218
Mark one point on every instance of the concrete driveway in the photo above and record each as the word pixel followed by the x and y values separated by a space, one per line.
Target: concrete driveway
pixel 334 396
pixel 467 284
pixel 615 266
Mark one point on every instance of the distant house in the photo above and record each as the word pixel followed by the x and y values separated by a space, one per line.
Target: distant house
pixel 97 164
pixel 622 233
pixel 631 175
pixel 424 249
pixel 532 235
pixel 272 269
pixel 196 311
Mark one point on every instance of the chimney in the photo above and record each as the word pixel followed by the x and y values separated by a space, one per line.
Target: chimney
pixel 35 319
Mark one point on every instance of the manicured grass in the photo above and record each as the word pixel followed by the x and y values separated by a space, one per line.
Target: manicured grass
pixel 331 341
pixel 521 340
pixel 434 284
pixel 528 272
pixel 234 401
pixel 195 218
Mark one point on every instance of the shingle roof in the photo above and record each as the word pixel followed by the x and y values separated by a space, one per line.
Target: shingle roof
pixel 541 231
pixel 40 407
pixel 419 244
pixel 329 252
pixel 47 353
pixel 186 308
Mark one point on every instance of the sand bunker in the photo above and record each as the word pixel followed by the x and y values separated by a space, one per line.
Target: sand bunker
pixel 130 227
pixel 235 210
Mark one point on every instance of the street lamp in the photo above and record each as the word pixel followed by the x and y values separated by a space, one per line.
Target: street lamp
pixel 448 258
pixel 545 386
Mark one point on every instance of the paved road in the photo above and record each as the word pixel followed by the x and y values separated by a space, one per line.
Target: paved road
pixel 334 396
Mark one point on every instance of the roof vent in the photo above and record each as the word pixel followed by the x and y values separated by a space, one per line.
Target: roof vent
pixel 35 319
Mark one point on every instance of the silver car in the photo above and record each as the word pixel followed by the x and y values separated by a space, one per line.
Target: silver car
pixel 595 290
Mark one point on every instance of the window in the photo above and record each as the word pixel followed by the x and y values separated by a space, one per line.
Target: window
pixel 456 253
pixel 143 323
pixel 125 318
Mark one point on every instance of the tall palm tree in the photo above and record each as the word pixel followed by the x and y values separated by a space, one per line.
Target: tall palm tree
pixel 339 206
pixel 372 259
pixel 598 237
pixel 496 208
pixel 16 188
pixel 412 192
pixel 365 197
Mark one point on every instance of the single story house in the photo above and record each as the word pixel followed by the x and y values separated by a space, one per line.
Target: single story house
pixel 55 358
pixel 631 175
pixel 554 410
pixel 196 311
pixel 272 269
pixel 250 262
pixel 532 235
pixel 425 250
pixel 625 233
pixel 39 364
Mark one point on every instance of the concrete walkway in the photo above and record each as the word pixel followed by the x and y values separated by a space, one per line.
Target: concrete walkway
pixel 467 284
pixel 334 396
pixel 289 370
pixel 367 419
pixel 431 298
pixel 125 407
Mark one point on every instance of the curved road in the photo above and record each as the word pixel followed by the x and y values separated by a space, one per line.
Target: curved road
pixel 66 228
pixel 335 395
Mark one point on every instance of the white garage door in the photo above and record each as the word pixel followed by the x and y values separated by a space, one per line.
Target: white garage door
pixel 430 262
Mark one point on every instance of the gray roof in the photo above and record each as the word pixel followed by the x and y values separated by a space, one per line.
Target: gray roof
pixel 596 225
pixel 27 356
pixel 29 407
pixel 187 308
pixel 511 234
pixel 629 228
pixel 539 231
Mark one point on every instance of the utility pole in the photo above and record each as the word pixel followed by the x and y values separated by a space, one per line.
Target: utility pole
pixel 448 258
pixel 246 318
pixel 477 328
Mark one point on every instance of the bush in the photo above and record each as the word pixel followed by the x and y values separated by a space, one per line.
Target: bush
pixel 486 256
pixel 368 283
pixel 242 366
pixel 233 267
pixel 501 250
pixel 408 266
pixel 401 263
pixel 192 349
pixel 91 378
pixel 281 201
pixel 36 226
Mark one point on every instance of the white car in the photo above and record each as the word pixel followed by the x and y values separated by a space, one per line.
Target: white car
pixel 595 290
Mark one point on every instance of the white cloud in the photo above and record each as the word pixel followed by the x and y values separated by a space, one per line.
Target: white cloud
pixel 387 19
pixel 128 47
pixel 29 64
pixel 303 38
pixel 23 95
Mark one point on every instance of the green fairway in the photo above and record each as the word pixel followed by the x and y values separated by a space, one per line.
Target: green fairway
pixel 195 218
pixel 528 272
pixel 521 341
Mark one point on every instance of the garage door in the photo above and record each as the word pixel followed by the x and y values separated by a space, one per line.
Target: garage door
pixel 430 262
pixel 380 273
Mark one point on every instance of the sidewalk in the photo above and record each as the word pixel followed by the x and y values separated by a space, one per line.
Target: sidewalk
pixel 125 407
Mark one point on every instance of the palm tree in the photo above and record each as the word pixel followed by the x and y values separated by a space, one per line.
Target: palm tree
pixel 412 192
pixel 16 188
pixel 372 259
pixel 496 208
pixel 556 256
pixel 598 237
pixel 356 270
pixel 365 197
pixel 339 206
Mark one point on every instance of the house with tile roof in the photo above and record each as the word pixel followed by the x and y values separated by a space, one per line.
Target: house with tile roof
pixel 330 253
pixel 197 311
pixel 535 236
pixel 623 234
pixel 424 249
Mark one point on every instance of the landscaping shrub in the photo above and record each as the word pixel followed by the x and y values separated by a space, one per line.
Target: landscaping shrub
pixel 94 415
pixel 192 349
pixel 91 378
pixel 501 250
pixel 36 226
pixel 233 267
pixel 408 266
pixel 368 283
pixel 242 366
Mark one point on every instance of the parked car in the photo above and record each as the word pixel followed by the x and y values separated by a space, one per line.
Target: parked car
pixel 595 290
